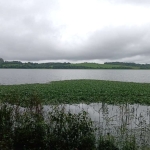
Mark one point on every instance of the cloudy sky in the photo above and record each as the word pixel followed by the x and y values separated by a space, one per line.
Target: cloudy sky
pixel 75 30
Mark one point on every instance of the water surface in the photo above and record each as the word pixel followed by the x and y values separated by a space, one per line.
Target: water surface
pixel 23 76
pixel 122 121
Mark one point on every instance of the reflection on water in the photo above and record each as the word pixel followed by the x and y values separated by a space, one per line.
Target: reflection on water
pixel 131 115
pixel 122 121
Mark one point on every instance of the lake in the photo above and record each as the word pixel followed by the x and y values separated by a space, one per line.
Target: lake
pixel 121 121
pixel 23 76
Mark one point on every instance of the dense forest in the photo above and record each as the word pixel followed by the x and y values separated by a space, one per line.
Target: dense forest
pixel 67 65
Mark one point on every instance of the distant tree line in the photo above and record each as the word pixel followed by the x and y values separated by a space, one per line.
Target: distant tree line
pixel 30 65
pixel 67 65
pixel 130 65
pixel 122 63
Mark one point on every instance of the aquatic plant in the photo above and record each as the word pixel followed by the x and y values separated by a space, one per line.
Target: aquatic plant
pixel 78 91
pixel 23 122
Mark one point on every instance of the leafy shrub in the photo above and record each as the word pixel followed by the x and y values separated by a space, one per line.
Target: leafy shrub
pixel 32 130
pixel 106 143
pixel 130 145
pixel 6 125
pixel 69 131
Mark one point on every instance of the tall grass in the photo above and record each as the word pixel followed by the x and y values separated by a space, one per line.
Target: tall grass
pixel 6 127
pixel 31 128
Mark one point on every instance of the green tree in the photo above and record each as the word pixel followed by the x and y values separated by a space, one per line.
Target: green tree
pixel 1 60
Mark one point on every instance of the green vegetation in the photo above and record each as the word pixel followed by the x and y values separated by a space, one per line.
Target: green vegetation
pixel 78 91
pixel 1 61
pixel 29 127
pixel 129 65
pixel 59 65
pixel 94 65
pixel 31 131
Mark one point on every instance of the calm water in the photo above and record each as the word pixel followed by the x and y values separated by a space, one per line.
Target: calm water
pixel 22 76
pixel 121 121
pixel 113 115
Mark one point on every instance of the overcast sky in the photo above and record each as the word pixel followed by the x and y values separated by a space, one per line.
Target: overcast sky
pixel 75 30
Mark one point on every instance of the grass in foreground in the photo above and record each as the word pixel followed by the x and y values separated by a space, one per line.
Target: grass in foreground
pixel 77 91
pixel 31 129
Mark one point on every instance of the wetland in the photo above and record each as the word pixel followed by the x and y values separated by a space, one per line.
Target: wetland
pixel 115 114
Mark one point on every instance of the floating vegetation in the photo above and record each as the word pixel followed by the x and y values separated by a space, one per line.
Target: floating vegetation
pixel 76 114
pixel 78 91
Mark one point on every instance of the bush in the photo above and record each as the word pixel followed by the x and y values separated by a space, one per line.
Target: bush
pixel 106 143
pixel 69 131
pixel 58 130
pixel 6 126
pixel 30 132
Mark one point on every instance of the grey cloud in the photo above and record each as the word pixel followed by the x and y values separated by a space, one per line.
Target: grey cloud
pixel 117 43
pixel 29 33
pixel 137 2
pixel 26 32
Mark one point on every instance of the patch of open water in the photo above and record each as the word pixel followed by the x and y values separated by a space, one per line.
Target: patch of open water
pixel 121 121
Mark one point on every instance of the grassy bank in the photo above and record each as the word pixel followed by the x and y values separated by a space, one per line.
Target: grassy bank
pixel 77 91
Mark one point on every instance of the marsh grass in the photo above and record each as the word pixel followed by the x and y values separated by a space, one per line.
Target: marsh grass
pixel 31 128
pixel 25 129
